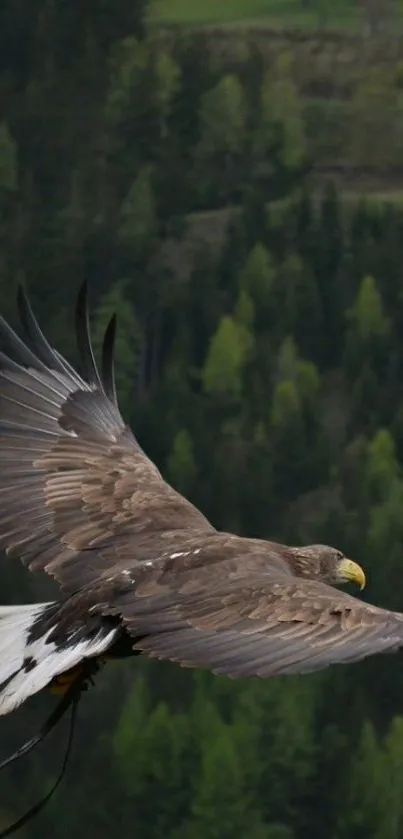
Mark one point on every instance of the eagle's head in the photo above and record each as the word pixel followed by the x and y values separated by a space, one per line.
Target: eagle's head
pixel 327 564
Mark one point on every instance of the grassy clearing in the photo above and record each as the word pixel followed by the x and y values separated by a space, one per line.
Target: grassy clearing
pixel 257 12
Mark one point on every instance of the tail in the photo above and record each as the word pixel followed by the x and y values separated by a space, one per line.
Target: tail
pixel 30 660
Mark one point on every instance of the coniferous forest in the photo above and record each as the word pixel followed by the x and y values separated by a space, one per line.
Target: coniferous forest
pixel 260 363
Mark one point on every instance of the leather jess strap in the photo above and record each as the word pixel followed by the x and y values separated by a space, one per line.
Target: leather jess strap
pixel 68 701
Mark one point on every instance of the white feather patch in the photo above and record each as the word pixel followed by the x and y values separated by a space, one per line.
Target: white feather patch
pixel 47 660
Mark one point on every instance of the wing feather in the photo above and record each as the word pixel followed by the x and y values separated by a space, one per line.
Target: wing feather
pixel 39 343
pixel 74 477
pixel 108 366
pixel 82 320
pixel 269 627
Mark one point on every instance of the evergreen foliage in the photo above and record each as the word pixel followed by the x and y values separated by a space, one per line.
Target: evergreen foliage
pixel 259 361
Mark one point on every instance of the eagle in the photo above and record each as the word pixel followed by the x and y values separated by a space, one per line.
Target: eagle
pixel 139 569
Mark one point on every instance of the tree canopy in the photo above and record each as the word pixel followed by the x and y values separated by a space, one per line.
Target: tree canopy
pixel 259 360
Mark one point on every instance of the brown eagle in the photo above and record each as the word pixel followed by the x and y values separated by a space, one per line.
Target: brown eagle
pixel 140 569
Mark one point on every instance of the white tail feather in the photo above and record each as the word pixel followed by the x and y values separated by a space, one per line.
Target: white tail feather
pixel 17 681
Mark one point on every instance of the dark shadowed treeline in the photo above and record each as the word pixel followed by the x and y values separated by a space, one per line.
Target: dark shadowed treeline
pixel 260 353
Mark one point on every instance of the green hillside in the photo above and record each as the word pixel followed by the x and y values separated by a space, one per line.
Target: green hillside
pixel 286 12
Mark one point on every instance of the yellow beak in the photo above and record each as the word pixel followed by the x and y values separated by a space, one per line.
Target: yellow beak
pixel 351 572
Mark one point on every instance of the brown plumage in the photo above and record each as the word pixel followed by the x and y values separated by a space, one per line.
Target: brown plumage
pixel 140 569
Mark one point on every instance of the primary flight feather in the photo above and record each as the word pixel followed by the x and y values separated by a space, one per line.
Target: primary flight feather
pixel 140 569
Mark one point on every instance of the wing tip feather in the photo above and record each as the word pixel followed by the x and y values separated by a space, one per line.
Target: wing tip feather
pixel 108 360
pixel 31 348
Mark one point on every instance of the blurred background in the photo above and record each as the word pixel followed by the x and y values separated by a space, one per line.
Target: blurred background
pixel 228 175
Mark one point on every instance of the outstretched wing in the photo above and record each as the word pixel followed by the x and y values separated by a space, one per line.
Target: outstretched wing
pixel 75 486
pixel 234 618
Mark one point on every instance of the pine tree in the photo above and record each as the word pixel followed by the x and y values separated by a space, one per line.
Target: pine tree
pixel 256 279
pixel 367 314
pixel 281 118
pixel 181 462
pixel 301 307
pixel 226 359
pixel 221 806
pixel 222 138
pixel 138 216
pixel 382 468
pixel 366 809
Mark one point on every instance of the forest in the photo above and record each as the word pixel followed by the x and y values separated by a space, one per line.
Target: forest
pixel 260 364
